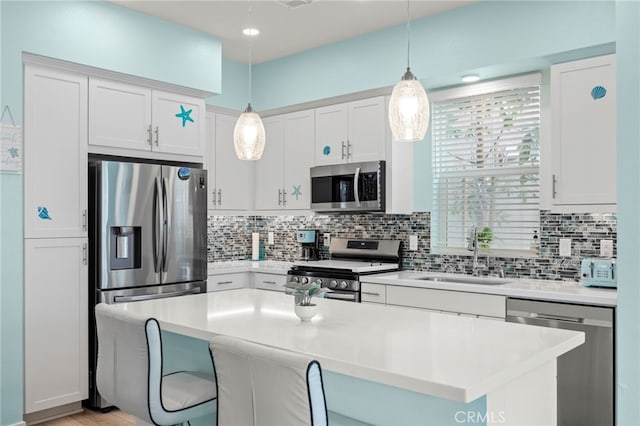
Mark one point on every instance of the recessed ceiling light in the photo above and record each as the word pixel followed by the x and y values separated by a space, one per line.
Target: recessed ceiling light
pixel 251 31
pixel 470 78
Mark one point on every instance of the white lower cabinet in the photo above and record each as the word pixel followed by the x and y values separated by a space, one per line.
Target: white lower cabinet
pixel 461 303
pixel 55 322
pixel 269 281
pixel 217 282
pixel 373 293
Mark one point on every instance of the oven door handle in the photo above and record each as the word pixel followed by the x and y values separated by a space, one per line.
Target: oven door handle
pixel 340 296
pixel 356 179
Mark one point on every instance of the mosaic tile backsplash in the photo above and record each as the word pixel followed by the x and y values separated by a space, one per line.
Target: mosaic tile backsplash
pixel 229 238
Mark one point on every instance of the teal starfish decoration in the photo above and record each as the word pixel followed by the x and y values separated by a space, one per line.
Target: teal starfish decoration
pixel 185 115
pixel 13 152
pixel 297 192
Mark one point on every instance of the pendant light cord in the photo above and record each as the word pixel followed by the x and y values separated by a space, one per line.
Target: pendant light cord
pixel 408 33
pixel 250 55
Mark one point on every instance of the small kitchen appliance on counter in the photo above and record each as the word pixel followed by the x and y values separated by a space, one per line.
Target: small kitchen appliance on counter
pixel 350 259
pixel 599 273
pixel 308 238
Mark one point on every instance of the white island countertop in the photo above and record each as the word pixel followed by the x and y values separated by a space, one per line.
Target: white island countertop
pixel 446 356
pixel 557 291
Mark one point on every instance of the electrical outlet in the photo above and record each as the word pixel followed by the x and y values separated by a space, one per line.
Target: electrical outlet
pixel 270 238
pixel 606 248
pixel 565 247
pixel 413 242
pixel 327 239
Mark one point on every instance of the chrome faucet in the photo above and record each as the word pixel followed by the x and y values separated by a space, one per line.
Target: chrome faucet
pixel 473 246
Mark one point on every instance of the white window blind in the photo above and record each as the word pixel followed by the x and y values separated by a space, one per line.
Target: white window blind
pixel 486 157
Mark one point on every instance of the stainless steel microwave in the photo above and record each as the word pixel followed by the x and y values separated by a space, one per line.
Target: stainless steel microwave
pixel 350 187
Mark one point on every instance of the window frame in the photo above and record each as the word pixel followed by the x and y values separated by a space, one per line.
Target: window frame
pixel 503 84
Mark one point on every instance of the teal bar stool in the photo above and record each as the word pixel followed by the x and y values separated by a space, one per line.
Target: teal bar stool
pixel 263 386
pixel 129 372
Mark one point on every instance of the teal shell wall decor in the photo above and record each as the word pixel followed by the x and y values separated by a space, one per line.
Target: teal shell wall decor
pixel 598 92
pixel 326 150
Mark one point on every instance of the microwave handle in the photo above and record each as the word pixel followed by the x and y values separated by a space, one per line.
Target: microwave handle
pixel 356 178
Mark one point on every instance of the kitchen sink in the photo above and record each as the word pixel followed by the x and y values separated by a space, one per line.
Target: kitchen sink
pixel 466 280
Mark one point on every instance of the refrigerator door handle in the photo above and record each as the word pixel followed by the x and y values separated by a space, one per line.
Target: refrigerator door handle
pixel 165 225
pixel 123 299
pixel 157 226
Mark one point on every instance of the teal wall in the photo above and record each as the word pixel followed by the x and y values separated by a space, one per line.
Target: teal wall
pixel 235 87
pixel 628 136
pixel 92 33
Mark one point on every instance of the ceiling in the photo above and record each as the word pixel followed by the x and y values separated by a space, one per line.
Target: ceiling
pixel 286 29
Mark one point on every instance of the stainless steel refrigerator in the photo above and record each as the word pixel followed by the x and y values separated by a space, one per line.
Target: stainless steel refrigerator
pixel 147 237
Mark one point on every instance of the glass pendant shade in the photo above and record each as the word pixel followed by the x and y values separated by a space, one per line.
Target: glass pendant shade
pixel 248 135
pixel 409 110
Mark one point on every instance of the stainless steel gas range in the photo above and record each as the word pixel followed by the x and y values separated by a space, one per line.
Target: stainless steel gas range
pixel 350 259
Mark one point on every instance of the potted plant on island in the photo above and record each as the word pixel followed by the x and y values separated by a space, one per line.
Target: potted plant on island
pixel 303 294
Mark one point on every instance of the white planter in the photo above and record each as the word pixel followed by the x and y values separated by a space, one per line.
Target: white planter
pixel 305 313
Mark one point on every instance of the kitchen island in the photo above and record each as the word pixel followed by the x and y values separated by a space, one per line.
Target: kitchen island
pixel 388 365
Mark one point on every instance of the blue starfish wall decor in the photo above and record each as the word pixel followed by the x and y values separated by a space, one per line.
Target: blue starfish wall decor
pixel 297 192
pixel 13 152
pixel 185 115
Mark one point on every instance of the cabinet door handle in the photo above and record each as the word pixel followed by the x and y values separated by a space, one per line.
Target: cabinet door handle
pixel 219 197
pixel 224 282
pixel 370 293
pixel 349 153
pixel 279 197
pixel 84 253
pixel 149 135
pixel 215 200
pixel 84 220
pixel 269 282
pixel 553 187
pixel 157 132
pixel 284 198
pixel 343 146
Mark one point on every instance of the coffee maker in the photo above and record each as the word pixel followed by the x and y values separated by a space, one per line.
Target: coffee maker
pixel 308 238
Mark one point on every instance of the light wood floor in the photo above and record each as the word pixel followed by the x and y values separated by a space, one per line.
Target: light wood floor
pixel 94 418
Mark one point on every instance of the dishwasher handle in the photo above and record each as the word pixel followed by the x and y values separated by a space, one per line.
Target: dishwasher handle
pixel 558 318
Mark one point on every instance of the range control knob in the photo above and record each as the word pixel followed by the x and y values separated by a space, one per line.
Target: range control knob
pixel 354 286
pixel 295 279
pixel 333 284
pixel 305 280
pixel 343 284
pixel 319 282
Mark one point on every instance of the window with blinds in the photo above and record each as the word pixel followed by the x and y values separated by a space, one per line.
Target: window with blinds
pixel 486 157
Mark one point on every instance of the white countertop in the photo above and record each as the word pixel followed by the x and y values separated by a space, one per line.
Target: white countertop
pixel 231 266
pixel 559 291
pixel 447 356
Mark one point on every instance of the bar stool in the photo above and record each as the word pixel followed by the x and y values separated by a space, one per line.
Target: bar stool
pixel 129 372
pixel 265 386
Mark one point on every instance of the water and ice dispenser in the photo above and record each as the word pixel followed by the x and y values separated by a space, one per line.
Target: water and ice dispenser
pixel 125 247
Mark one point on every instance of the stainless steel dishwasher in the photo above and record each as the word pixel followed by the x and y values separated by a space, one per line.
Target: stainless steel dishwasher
pixel 585 374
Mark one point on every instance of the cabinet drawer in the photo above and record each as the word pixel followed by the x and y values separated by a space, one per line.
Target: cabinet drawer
pixel 227 281
pixel 269 281
pixel 373 293
pixel 444 300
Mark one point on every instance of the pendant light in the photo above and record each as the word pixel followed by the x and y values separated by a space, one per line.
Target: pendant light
pixel 409 106
pixel 248 134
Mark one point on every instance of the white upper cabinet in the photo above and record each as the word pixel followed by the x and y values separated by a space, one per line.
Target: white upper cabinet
pixel 282 174
pixel 367 121
pixel 350 132
pixel 230 179
pixel 270 168
pixel 130 120
pixel 583 127
pixel 55 164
